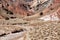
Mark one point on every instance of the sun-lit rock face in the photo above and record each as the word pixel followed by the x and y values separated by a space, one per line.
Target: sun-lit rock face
pixel 29 19
pixel 22 8
pixel 38 5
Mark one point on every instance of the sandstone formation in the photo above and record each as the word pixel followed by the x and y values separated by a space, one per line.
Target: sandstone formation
pixel 29 19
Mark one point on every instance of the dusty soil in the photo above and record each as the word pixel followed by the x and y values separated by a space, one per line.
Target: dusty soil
pixel 29 20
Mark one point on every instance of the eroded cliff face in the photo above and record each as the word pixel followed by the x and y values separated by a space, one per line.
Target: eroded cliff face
pixel 22 8
pixel 22 19
pixel 25 8
pixel 15 7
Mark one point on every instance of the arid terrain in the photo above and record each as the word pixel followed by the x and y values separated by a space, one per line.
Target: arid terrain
pixel 29 19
